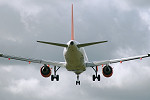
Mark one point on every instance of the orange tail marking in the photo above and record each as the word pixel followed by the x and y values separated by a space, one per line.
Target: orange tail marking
pixel 72 26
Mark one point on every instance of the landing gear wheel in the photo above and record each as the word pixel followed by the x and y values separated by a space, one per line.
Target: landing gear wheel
pixel 98 78
pixel 94 77
pixel 77 82
pixel 57 77
pixel 52 77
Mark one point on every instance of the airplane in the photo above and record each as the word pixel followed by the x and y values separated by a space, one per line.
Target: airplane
pixel 76 59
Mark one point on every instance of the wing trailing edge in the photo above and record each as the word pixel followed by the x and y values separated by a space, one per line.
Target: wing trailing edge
pixel 54 63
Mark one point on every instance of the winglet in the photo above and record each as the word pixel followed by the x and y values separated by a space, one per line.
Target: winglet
pixel 72 25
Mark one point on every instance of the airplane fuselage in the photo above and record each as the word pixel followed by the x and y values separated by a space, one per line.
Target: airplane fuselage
pixel 75 57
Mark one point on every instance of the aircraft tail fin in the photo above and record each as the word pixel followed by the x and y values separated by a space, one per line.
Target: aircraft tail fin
pixel 91 43
pixel 72 25
pixel 52 43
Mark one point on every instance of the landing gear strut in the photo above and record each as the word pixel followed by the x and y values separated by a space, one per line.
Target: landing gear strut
pixel 77 82
pixel 55 76
pixel 96 76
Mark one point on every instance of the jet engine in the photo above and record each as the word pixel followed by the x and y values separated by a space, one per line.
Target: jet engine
pixel 107 71
pixel 45 71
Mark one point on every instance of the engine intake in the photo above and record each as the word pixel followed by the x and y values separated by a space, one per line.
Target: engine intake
pixel 45 71
pixel 107 71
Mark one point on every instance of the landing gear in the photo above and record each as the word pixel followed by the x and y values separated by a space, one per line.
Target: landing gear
pixel 77 82
pixel 55 76
pixel 96 76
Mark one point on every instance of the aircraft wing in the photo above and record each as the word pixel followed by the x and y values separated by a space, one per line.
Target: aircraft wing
pixel 106 62
pixel 54 63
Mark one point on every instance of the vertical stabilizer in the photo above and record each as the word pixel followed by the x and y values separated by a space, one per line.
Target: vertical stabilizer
pixel 72 25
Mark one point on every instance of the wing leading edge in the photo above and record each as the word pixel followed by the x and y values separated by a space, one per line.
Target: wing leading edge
pixel 106 62
pixel 54 63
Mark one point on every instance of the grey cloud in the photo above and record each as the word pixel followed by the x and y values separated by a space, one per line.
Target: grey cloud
pixel 139 3
pixel 35 87
pixel 23 23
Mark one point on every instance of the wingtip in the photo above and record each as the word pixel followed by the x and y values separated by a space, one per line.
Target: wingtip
pixel 38 41
pixel 104 41
pixel 1 55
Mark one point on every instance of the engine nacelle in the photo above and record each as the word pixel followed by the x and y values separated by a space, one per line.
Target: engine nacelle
pixel 45 71
pixel 107 71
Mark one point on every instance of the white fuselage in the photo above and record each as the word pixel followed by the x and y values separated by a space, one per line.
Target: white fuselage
pixel 75 57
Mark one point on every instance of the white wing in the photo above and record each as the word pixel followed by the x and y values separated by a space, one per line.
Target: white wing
pixel 106 62
pixel 54 63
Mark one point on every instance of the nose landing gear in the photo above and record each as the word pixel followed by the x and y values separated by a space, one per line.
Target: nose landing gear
pixel 78 81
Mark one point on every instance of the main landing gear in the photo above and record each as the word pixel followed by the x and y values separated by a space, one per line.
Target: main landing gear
pixel 77 82
pixel 55 76
pixel 96 76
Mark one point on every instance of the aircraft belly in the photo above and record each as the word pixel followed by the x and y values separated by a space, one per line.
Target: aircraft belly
pixel 75 61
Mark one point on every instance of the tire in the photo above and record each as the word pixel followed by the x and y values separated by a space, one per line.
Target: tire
pixel 57 77
pixel 98 78
pixel 94 77
pixel 52 77
pixel 77 82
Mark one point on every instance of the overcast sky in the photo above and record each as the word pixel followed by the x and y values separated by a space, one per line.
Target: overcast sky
pixel 124 23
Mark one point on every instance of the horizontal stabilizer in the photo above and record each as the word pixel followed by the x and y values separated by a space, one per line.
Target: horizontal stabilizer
pixel 88 44
pixel 52 43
